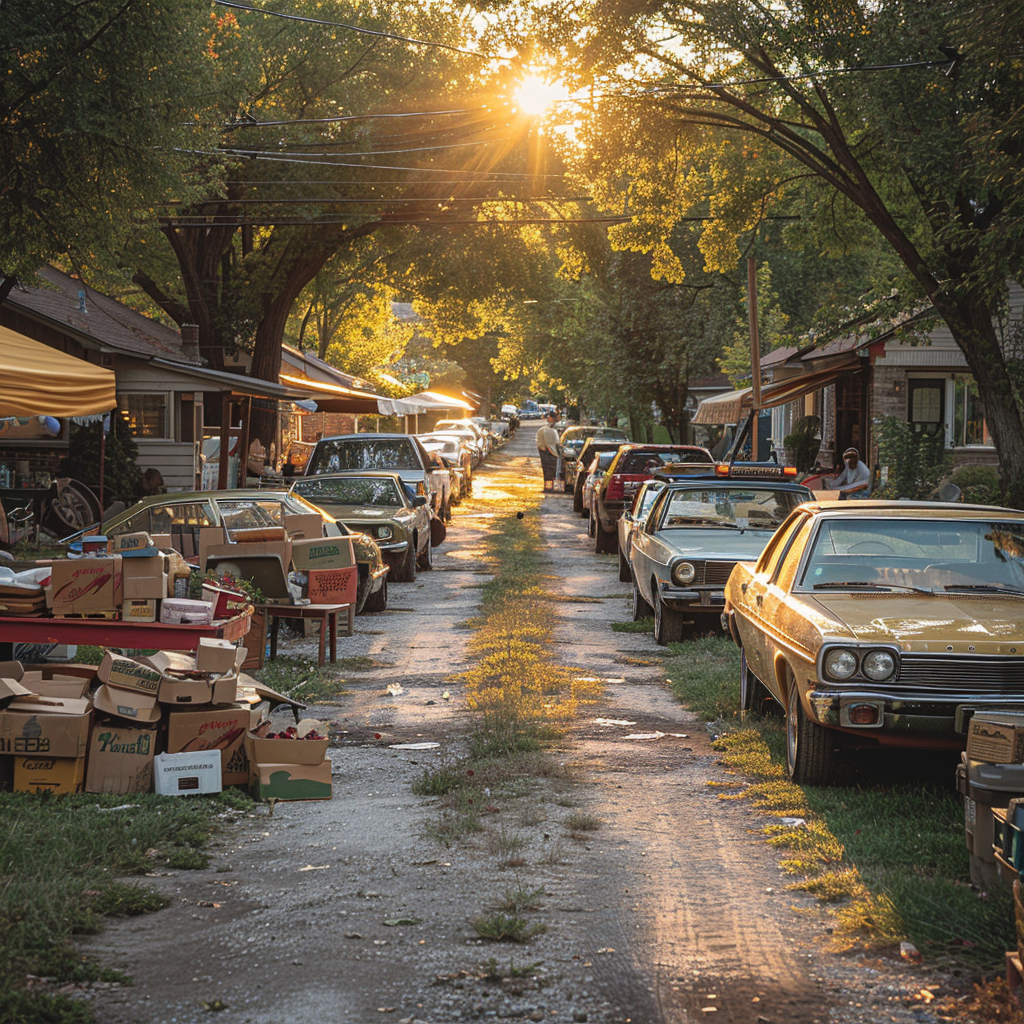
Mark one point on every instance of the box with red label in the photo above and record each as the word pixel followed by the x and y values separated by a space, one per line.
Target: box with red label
pixel 85 585
pixel 226 603
pixel 220 729
pixel 333 586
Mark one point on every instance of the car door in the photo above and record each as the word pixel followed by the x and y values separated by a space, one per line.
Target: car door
pixel 645 548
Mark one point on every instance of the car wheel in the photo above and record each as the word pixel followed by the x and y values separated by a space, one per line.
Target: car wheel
pixel 625 575
pixel 810 748
pixel 446 510
pixel 668 623
pixel 378 600
pixel 607 540
pixel 426 560
pixel 591 522
pixel 577 498
pixel 753 693
pixel 407 570
pixel 641 609
pixel 567 487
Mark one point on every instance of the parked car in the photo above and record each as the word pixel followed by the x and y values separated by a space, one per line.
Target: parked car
pixel 403 453
pixel 453 448
pixel 699 527
pixel 633 464
pixel 572 440
pixel 471 425
pixel 876 622
pixel 597 470
pixel 451 452
pixel 183 514
pixel 578 469
pixel 379 505
pixel 633 519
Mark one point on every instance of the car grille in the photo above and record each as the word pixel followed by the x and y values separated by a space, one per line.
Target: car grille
pixel 969 673
pixel 712 574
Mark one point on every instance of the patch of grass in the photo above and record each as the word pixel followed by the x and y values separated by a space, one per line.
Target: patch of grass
pixel 59 861
pixel 705 675
pixel 643 626
pixel 502 927
pixel 441 779
pixel 303 679
pixel 520 900
pixel 490 970
pixel 581 821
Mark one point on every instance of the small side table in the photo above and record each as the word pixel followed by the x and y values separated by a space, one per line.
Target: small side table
pixel 327 614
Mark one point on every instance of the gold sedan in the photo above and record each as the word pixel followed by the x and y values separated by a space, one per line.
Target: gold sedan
pixel 876 622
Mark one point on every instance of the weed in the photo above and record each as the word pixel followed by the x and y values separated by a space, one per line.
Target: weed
pixel 520 900
pixel 554 854
pixel 643 626
pixel 440 780
pixel 491 971
pixel 502 927
pixel 565 801
pixel 304 680
pixel 504 844
pixel 705 675
pixel 581 821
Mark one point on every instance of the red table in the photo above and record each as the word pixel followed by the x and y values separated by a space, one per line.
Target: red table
pixel 326 614
pixel 115 633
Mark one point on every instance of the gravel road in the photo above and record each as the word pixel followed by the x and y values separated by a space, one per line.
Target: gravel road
pixel 350 911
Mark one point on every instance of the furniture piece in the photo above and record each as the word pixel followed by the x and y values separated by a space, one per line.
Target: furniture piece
pixel 326 614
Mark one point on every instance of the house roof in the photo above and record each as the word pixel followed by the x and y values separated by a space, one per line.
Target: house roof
pixel 315 368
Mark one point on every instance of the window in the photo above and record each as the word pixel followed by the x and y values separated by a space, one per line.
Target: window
pixel 927 405
pixel 145 414
pixel 969 426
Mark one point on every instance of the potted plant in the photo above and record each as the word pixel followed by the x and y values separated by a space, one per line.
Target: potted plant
pixel 801 446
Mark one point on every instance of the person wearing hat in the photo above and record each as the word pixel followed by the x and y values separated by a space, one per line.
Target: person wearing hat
pixel 855 479
pixel 547 448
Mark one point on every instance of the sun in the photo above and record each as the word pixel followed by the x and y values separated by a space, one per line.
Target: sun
pixel 536 95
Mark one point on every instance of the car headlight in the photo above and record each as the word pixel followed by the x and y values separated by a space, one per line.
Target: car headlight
pixel 385 532
pixel 683 572
pixel 840 664
pixel 878 665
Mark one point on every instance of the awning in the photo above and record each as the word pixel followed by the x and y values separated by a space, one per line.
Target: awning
pixel 36 380
pixel 731 407
pixel 436 400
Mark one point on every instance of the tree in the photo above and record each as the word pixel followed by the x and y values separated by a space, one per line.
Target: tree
pixel 899 117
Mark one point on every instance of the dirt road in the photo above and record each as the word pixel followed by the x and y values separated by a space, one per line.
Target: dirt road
pixel 352 910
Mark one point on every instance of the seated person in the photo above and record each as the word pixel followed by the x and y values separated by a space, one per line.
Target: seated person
pixel 855 479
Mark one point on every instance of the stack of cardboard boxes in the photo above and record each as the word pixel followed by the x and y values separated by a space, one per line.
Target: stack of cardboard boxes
pixel 294 767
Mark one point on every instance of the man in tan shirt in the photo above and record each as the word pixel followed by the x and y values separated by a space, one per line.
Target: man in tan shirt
pixel 547 448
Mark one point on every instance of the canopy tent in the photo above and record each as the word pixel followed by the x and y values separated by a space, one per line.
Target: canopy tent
pixel 731 407
pixel 41 381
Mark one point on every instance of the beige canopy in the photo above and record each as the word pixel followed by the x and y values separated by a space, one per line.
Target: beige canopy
pixel 36 380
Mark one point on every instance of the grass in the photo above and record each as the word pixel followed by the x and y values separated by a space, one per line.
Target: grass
pixel 643 626
pixel 520 900
pixel 304 680
pixel 62 865
pixel 890 858
pixel 580 821
pixel 502 927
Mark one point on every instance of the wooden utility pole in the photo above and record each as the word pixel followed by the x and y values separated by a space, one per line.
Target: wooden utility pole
pixel 755 353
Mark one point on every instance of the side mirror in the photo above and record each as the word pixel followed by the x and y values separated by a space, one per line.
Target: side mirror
pixel 419 501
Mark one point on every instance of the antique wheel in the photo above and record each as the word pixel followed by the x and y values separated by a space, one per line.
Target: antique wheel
pixel 406 572
pixel 591 523
pixel 577 497
pixel 641 609
pixel 668 623
pixel 378 601
pixel 625 575
pixel 425 562
pixel 810 748
pixel 607 540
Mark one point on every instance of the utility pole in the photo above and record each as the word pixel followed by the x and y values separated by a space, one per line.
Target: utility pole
pixel 755 353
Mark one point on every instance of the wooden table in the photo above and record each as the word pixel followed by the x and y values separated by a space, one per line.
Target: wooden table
pixel 327 614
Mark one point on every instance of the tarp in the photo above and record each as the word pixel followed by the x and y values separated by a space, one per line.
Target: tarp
pixel 36 380
pixel 730 407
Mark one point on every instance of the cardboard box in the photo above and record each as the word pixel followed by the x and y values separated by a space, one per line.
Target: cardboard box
pixel 290 781
pixel 120 758
pixel 96 544
pixel 133 545
pixel 60 680
pixel 297 751
pixel 140 610
pixel 199 689
pixel 127 674
pixel 11 688
pixel 996 738
pixel 188 774
pixel 84 585
pixel 131 704
pixel 304 525
pixel 52 774
pixel 180 610
pixel 323 553
pixel 144 577
pixel 333 586
pixel 46 726
pixel 209 537
pixel 226 603
pixel 216 656
pixel 220 729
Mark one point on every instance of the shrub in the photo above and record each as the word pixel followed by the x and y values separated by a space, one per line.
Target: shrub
pixel 916 462
pixel 978 484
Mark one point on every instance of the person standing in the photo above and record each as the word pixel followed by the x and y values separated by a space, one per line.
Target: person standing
pixel 855 479
pixel 547 448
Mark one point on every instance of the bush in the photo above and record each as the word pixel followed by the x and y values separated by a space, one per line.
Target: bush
pixel 804 442
pixel 916 462
pixel 978 484
pixel 122 480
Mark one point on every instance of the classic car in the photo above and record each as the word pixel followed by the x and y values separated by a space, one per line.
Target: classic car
pixel 453 449
pixel 592 446
pixel 378 504
pixel 597 469
pixel 400 453
pixel 633 464
pixel 450 452
pixel 876 622
pixel 183 514
pixel 483 436
pixel 572 440
pixel 633 519
pixel 700 526
pixel 469 438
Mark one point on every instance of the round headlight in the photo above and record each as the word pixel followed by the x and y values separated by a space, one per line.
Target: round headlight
pixel 840 664
pixel 878 665
pixel 384 532
pixel 683 573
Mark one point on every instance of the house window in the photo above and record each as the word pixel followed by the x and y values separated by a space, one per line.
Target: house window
pixel 969 428
pixel 927 405
pixel 146 414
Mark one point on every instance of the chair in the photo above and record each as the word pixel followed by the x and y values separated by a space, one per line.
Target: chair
pixel 17 525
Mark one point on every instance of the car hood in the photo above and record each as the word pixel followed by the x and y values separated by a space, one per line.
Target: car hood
pixel 716 544
pixel 370 513
pixel 921 621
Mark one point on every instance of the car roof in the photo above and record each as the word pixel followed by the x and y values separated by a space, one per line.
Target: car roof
pixel 363 437
pixel 911 509
pixel 746 483
pixel 390 474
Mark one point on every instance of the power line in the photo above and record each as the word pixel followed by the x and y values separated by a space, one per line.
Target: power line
pixel 353 28
pixel 439 222
pixel 346 117
pixel 445 200
pixel 371 152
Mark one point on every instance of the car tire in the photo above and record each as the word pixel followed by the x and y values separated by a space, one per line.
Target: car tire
pixel 591 522
pixel 625 573
pixel 407 570
pixel 753 693
pixel 668 623
pixel 641 609
pixel 577 498
pixel 607 542
pixel 378 600
pixel 425 562
pixel 446 510
pixel 810 748
pixel 567 487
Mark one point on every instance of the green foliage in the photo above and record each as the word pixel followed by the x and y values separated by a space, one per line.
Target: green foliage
pixel 804 441
pixel 122 478
pixel 705 674
pixel 916 462
pixel 979 485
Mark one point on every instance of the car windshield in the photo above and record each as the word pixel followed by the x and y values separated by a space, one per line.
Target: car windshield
pixel 249 514
pixel 649 462
pixel 935 555
pixel 337 455
pixel 351 490
pixel 744 508
pixel 603 461
pixel 646 500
